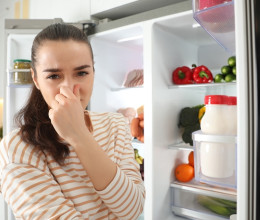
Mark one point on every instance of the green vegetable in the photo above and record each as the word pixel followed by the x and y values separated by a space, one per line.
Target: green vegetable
pixel 219 78
pixel 228 203
pixel 219 206
pixel 232 61
pixel 234 70
pixel 187 134
pixel 226 70
pixel 1 132
pixel 189 116
pixel 230 77
pixel 189 120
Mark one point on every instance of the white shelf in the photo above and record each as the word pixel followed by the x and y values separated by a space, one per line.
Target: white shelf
pixel 126 88
pixel 202 85
pixel 18 70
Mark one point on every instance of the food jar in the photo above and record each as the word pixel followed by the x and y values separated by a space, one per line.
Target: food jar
pixel 23 73
pixel 214 120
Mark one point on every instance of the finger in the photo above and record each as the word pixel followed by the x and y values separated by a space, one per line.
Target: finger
pixel 50 113
pixel 76 90
pixel 60 99
pixel 66 91
pixel 54 104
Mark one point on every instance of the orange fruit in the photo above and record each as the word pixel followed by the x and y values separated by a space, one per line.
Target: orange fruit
pixel 184 172
pixel 191 158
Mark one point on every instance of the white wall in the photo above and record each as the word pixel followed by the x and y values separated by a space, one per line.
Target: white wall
pixel 68 10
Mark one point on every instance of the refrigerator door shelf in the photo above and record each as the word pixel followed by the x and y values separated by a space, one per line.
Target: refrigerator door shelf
pixel 19 77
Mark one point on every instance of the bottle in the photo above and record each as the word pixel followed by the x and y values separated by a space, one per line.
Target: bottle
pixel 214 120
pixel 232 115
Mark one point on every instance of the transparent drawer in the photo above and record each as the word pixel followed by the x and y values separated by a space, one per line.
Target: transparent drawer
pixel 215 159
pixel 218 19
pixel 197 203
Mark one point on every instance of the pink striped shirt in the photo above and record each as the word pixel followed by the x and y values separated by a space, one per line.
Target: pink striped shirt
pixel 37 187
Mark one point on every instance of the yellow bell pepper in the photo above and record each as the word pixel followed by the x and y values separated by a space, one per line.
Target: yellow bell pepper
pixel 201 112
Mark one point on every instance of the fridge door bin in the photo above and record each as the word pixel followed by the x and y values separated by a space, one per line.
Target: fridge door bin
pixel 20 77
pixel 198 205
pixel 218 19
pixel 215 159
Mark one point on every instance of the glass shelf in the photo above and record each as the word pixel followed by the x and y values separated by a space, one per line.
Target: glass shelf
pixel 202 85
pixel 126 88
pixel 180 146
pixel 205 189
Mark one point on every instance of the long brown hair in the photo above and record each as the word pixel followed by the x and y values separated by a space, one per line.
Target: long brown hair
pixel 33 120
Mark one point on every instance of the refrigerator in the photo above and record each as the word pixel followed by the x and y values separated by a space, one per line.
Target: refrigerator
pixel 157 42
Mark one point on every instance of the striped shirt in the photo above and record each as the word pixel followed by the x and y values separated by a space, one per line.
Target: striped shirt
pixel 37 187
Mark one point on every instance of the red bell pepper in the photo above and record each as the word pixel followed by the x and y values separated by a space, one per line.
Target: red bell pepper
pixel 182 75
pixel 202 74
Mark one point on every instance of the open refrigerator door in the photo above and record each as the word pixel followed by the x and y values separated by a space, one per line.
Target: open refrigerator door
pixel 19 35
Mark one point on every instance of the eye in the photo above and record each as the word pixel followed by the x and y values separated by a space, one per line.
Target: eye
pixel 82 73
pixel 53 76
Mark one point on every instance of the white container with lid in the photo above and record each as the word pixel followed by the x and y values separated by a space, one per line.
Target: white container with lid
pixel 214 120
pixel 215 159
pixel 232 115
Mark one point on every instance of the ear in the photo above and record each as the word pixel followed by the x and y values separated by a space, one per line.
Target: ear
pixel 34 78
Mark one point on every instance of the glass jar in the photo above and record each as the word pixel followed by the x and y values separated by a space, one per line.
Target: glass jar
pixel 23 75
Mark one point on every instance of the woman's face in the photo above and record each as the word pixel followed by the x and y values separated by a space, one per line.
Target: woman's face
pixel 64 63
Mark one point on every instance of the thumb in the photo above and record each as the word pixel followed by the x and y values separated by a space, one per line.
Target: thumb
pixel 76 90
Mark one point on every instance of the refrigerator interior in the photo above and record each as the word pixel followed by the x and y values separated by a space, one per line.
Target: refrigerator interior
pixel 167 43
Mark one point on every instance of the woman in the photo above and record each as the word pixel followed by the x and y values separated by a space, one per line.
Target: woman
pixel 64 162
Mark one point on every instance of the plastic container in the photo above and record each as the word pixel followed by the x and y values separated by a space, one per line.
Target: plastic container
pixel 215 159
pixel 214 120
pixel 217 17
pixel 232 115
pixel 196 204
pixel 23 73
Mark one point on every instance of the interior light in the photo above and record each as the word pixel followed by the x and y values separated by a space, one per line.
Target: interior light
pixel 196 25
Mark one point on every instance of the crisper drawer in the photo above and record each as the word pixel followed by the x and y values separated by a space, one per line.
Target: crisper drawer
pixel 197 201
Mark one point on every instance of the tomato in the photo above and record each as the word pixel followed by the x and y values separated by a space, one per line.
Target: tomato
pixel 191 158
pixel 184 172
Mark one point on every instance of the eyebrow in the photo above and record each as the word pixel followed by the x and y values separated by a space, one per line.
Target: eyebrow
pixel 58 70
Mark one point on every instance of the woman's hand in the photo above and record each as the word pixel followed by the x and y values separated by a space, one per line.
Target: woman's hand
pixel 67 114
